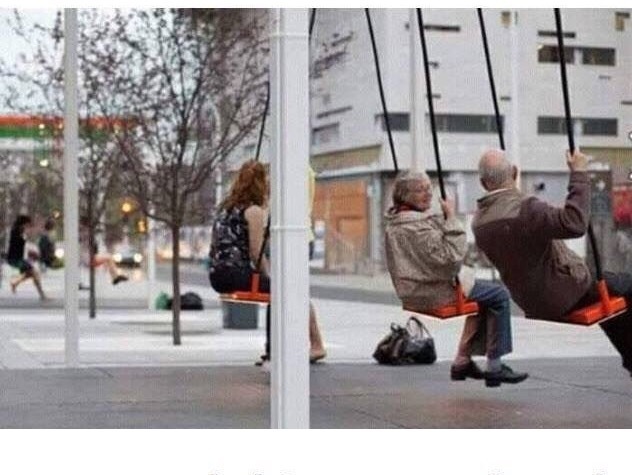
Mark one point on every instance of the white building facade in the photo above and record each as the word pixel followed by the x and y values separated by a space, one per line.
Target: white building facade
pixel 349 146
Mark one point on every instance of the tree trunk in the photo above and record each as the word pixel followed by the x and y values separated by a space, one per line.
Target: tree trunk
pixel 175 279
pixel 92 271
pixel 92 312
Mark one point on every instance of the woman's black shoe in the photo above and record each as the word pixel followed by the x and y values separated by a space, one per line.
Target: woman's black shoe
pixel 470 370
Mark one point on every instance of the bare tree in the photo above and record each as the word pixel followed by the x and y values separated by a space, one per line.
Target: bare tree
pixel 192 85
pixel 37 89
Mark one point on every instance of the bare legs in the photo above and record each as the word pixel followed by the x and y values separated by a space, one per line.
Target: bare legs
pixel 112 269
pixel 115 274
pixel 32 274
pixel 317 349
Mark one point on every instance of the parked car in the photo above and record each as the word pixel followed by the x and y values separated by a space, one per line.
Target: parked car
pixel 127 256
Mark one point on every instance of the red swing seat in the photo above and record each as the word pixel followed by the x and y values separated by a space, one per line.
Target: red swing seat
pixel 607 307
pixel 461 308
pixel 252 296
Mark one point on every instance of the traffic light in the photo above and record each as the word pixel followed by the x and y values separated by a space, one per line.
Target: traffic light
pixel 141 225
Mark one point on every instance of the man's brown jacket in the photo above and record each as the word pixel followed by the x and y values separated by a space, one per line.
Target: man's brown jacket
pixel 522 237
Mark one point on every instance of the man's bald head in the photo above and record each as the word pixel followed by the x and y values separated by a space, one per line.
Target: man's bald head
pixel 495 171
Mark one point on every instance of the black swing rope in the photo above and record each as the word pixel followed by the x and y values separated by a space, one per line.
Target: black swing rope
pixel 431 113
pixel 569 127
pixel 490 75
pixel 378 72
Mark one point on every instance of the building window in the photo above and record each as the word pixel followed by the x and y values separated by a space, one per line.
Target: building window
pixel 399 121
pixel 340 110
pixel 606 127
pixel 444 28
pixel 325 134
pixel 550 54
pixel 341 40
pixel 598 56
pixel 588 126
pixel 505 18
pixel 619 20
pixel 553 34
pixel 467 123
pixel 326 62
pixel 551 125
pixel 589 55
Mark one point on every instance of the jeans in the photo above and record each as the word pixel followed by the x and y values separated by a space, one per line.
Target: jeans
pixel 489 332
pixel 617 329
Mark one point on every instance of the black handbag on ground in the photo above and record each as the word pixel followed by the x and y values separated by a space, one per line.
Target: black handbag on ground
pixel 411 344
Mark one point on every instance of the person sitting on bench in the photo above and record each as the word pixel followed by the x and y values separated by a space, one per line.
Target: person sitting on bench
pixel 22 228
pixel 424 253
pixel 521 235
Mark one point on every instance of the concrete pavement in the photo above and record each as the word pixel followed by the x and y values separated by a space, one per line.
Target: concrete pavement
pixel 33 337
pixel 132 376
pixel 562 393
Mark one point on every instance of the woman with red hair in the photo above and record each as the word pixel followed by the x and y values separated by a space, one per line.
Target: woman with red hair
pixel 238 235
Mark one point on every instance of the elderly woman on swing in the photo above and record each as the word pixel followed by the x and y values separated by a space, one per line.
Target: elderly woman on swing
pixel 425 253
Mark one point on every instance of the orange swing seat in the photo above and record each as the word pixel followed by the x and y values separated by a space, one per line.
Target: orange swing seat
pixel 252 296
pixel 460 308
pixel 607 307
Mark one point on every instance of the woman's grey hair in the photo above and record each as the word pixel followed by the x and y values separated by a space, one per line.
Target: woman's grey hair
pixel 406 183
pixel 495 170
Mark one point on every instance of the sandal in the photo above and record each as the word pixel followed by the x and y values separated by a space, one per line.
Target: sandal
pixel 316 357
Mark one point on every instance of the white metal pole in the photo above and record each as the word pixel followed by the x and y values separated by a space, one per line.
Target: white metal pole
pixel 416 98
pixel 71 189
pixel 289 231
pixel 515 93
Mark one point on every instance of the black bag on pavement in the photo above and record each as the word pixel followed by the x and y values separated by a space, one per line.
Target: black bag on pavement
pixel 411 344
pixel 188 301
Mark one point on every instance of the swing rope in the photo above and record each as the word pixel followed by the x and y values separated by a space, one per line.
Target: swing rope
pixel 490 75
pixel 378 72
pixel 569 127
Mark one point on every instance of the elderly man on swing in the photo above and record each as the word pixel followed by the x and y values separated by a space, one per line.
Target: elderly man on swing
pixel 425 253
pixel 523 237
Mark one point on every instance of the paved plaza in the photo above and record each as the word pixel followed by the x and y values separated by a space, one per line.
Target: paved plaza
pixel 132 376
